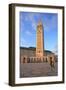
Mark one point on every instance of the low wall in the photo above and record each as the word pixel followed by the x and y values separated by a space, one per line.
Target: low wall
pixel 49 58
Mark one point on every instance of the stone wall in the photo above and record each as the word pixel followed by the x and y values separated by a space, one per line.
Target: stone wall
pixel 28 55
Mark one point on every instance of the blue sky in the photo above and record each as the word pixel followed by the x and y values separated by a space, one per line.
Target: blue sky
pixel 28 24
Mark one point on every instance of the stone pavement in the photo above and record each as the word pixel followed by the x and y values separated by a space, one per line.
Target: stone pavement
pixel 37 69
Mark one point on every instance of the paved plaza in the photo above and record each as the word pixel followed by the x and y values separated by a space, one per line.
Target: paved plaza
pixel 38 69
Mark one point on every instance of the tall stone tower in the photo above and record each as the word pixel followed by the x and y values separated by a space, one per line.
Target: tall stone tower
pixel 39 40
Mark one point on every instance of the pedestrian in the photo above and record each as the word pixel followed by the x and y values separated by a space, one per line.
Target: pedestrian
pixel 51 62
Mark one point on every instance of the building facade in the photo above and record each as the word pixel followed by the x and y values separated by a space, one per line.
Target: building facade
pixel 28 55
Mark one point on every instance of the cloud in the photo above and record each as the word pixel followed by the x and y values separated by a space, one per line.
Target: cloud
pixel 30 17
pixel 49 20
pixel 32 20
pixel 50 23
pixel 23 42
pixel 28 33
pixel 34 25
pixel 55 49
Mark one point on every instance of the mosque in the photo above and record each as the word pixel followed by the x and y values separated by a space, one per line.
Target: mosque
pixel 38 53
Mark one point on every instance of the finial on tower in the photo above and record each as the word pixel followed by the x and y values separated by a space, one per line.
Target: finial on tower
pixel 39 22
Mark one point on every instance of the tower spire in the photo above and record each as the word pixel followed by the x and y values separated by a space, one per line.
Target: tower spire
pixel 40 40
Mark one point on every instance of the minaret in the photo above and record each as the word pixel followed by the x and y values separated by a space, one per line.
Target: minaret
pixel 40 40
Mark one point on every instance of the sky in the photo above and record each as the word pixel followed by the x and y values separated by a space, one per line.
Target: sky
pixel 28 27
